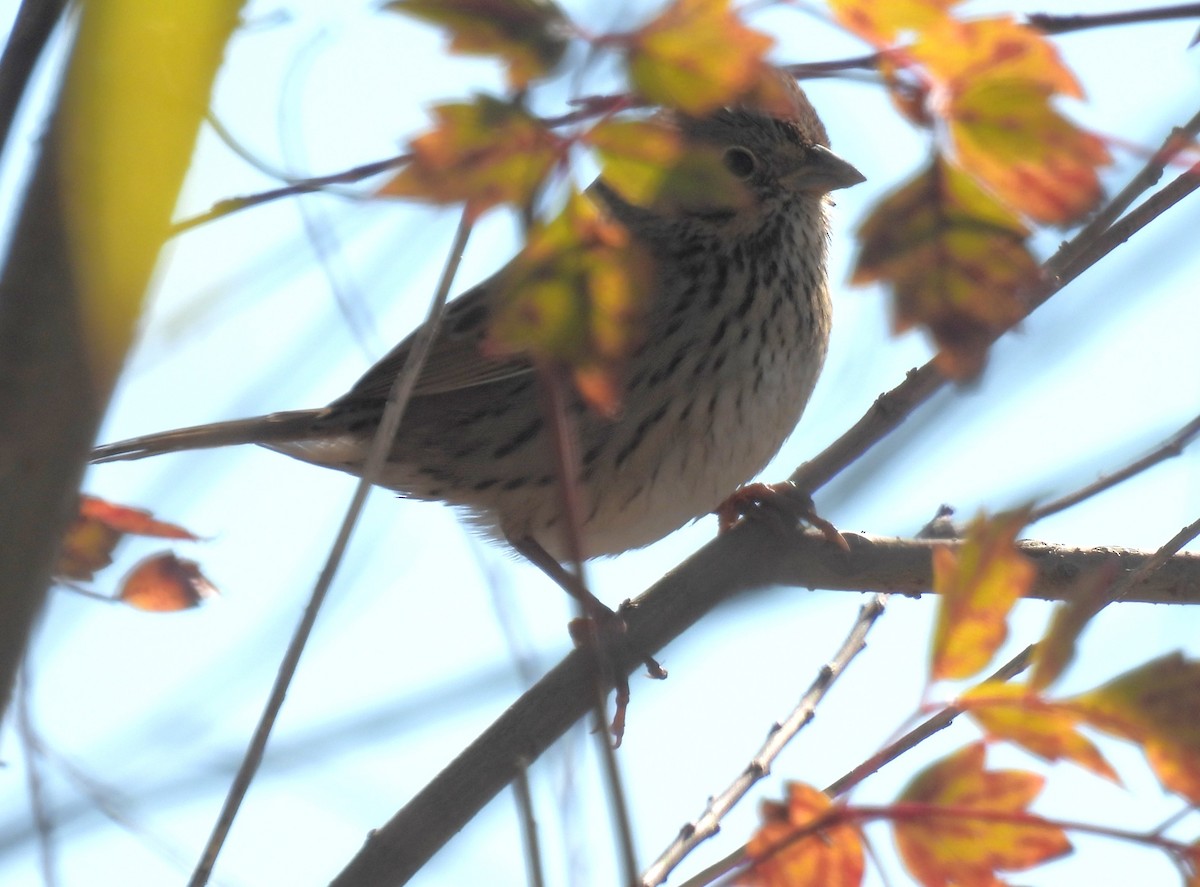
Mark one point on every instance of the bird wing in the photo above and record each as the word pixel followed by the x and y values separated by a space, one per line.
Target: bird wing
pixel 455 361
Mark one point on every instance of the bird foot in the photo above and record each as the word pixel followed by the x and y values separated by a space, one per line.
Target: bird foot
pixel 781 502
pixel 604 632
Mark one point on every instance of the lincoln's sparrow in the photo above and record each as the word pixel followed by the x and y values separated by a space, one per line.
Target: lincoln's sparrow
pixel 735 334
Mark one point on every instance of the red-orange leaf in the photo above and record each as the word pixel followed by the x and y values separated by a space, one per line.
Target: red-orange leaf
pixel 529 35
pixel 483 153
pixel 791 849
pixel 880 23
pixel 956 260
pixel 957 848
pixel 1158 706
pixel 130 520
pixel 573 296
pixel 97 528
pixel 164 583
pixel 1041 726
pixel 977 584
pixel 698 55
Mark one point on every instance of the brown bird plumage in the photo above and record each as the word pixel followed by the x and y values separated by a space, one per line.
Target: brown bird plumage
pixel 735 333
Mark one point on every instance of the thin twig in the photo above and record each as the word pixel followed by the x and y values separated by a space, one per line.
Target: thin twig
pixel 704 827
pixel 389 424
pixel 529 827
pixel 1169 449
pixel 918 734
pixel 230 205
pixel 1067 24
pixel 1123 590
pixel 32 748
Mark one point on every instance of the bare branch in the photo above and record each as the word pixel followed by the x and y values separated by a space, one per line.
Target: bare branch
pixel 381 445
pixel 1169 449
pixel 754 555
pixel 707 825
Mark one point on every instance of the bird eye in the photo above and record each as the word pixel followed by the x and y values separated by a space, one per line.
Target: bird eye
pixel 740 162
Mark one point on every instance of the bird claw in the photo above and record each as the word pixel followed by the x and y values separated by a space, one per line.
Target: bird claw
pixel 605 633
pixel 781 501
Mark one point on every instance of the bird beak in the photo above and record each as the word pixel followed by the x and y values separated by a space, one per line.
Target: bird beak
pixel 823 171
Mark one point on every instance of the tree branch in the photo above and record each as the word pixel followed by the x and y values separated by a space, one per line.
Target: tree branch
pixel 752 556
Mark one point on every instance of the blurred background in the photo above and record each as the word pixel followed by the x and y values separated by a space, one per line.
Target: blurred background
pixel 429 632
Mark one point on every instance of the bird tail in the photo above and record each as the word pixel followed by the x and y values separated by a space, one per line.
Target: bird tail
pixel 273 428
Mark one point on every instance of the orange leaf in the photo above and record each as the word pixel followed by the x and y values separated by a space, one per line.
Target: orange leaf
pixel 130 520
pixel 956 260
pixel 957 848
pixel 959 54
pixel 793 850
pixel 698 55
pixel 484 153
pixel 97 528
pixel 1158 706
pixel 1042 727
pixel 530 36
pixel 978 584
pixel 880 23
pixel 573 296
pixel 164 583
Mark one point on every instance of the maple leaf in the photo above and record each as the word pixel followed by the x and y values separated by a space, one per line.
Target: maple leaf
pixel 977 586
pixel 698 55
pixel 530 36
pixel 482 153
pixel 881 23
pixel 1158 706
pixel 958 848
pixel 993 79
pixel 791 849
pixel 1041 726
pixel 572 296
pixel 164 583
pixel 956 259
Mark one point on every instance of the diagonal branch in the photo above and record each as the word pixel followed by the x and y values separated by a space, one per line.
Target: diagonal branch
pixel 752 556
pixel 707 825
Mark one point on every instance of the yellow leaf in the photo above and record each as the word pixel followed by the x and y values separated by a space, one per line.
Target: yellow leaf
pixel 1041 726
pixel 1158 706
pixel 977 585
pixel 572 297
pixel 697 56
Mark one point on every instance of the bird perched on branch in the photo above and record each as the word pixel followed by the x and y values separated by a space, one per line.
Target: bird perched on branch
pixel 734 332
